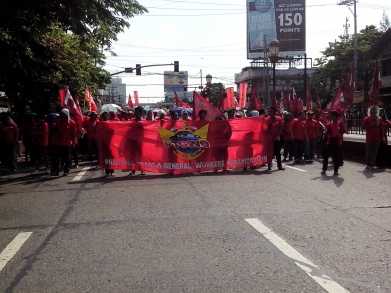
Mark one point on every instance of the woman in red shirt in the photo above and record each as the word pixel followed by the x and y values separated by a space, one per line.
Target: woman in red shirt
pixel 373 125
pixel 381 157
pixel 288 136
pixel 298 132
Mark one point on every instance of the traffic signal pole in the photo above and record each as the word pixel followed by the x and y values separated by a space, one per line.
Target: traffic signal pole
pixel 130 69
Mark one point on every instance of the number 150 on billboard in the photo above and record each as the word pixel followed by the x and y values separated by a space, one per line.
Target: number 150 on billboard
pixel 283 20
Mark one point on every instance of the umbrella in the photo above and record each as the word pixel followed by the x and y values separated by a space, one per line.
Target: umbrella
pixel 109 108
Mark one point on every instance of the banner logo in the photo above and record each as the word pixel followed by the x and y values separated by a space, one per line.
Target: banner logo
pixel 188 142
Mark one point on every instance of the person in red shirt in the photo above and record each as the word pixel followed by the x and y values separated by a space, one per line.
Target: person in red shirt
pixel 335 131
pixel 9 141
pixel 41 144
pixel 373 124
pixel 136 146
pixel 298 132
pixel 65 134
pixel 275 124
pixel 311 127
pixel 28 131
pixel 92 137
pixel 381 157
pixel 287 136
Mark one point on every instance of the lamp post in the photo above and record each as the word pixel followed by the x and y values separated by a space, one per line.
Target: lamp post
pixel 274 50
pixel 208 84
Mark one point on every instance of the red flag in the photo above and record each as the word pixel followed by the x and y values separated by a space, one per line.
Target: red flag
pixel 300 106
pixel 77 102
pixel 374 96
pixel 348 92
pixel 199 103
pixel 90 100
pixel 135 94
pixel 338 99
pixel 178 102
pixel 230 100
pixel 243 94
pixel 62 93
pixel 220 101
pixel 130 102
pixel 274 100
pixel 255 103
pixel 74 112
pixel 308 100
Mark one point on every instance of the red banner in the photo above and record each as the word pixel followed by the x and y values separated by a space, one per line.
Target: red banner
pixel 135 94
pixel 180 147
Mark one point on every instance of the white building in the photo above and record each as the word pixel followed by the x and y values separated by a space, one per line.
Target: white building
pixel 117 91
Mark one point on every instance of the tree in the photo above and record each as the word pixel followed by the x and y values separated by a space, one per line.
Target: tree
pixel 46 44
pixel 334 63
pixel 385 22
pixel 215 89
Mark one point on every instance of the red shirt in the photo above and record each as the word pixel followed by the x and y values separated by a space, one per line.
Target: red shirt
pixel 274 125
pixel 334 131
pixel 9 133
pixel 65 132
pixel 287 129
pixel 298 129
pixel 43 137
pixel 373 133
pixel 311 127
pixel 90 127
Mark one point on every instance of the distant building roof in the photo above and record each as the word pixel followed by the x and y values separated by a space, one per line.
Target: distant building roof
pixel 375 50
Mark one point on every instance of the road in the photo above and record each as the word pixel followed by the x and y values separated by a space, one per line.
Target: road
pixel 254 231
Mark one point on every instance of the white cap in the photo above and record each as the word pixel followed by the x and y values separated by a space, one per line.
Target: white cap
pixel 65 111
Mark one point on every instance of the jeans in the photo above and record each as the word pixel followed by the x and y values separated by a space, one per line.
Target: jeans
pixel 298 149
pixel 371 152
pixel 310 148
pixel 288 149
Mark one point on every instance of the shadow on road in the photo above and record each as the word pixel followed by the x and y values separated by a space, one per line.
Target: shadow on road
pixel 337 180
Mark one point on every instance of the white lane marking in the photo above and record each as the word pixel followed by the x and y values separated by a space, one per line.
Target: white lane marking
pixel 297 169
pixel 306 265
pixel 13 248
pixel 81 174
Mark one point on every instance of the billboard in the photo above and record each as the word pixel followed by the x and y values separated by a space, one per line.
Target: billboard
pixel 283 20
pixel 174 81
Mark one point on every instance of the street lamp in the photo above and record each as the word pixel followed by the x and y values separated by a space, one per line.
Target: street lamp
pixel 208 79
pixel 274 50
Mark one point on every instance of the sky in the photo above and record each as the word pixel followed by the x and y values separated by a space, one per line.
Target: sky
pixel 209 37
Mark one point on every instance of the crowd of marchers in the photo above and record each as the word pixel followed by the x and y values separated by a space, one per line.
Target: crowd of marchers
pixel 54 142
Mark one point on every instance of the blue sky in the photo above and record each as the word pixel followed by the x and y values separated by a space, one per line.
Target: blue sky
pixel 211 36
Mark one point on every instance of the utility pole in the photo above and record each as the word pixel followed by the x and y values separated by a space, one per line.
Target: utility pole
pixel 347 26
pixel 348 3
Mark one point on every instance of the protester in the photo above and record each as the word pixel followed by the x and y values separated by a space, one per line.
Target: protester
pixel 311 131
pixel 335 131
pixel 40 148
pixel 202 115
pixel 185 116
pixel 149 116
pixel 288 137
pixel 381 157
pixel 231 113
pixel 9 141
pixel 373 125
pixel 64 131
pixel 136 145
pixel 104 118
pixel 274 124
pixel 92 137
pixel 298 132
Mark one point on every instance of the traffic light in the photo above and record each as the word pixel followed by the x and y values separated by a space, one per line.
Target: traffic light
pixel 185 88
pixel 176 66
pixel 138 69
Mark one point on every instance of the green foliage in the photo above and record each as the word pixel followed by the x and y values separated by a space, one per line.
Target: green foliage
pixel 215 89
pixel 46 44
pixel 334 63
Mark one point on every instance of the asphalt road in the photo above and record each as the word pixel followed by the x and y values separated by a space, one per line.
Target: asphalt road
pixel 255 231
